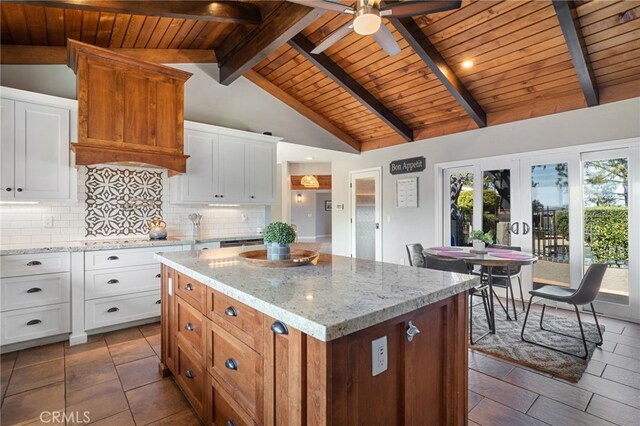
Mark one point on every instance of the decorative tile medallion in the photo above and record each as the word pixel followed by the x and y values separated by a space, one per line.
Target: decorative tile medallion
pixel 121 201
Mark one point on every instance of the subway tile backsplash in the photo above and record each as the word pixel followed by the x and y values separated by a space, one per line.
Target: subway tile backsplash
pixel 24 223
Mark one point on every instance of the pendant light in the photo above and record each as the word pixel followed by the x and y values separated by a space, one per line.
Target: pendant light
pixel 309 181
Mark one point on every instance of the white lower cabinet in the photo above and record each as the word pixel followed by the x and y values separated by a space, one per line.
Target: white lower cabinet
pixel 36 290
pixel 112 282
pixel 109 311
pixel 33 323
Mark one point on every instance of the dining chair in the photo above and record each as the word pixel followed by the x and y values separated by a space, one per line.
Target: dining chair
pixel 585 294
pixel 502 276
pixel 460 266
pixel 416 258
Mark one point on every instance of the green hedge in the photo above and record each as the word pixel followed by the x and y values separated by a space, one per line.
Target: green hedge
pixel 607 233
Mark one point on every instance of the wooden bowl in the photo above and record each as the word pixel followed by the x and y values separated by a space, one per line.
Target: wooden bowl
pixel 298 258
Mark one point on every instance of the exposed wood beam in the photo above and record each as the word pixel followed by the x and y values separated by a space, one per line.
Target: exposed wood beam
pixel 419 42
pixel 565 11
pixel 277 92
pixel 45 55
pixel 344 80
pixel 242 50
pixel 216 11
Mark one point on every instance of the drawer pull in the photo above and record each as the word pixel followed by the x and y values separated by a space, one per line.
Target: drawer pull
pixel 113 258
pixel 230 423
pixel 231 312
pixel 189 287
pixel 189 374
pixel 34 290
pixel 113 309
pixel 278 327
pixel 19 189
pixel 231 364
pixel 113 281
pixel 34 322
pixel 158 302
pixel 34 263
pixel 158 275
pixel 189 327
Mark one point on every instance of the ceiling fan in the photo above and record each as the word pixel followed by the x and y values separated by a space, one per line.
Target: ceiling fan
pixel 368 14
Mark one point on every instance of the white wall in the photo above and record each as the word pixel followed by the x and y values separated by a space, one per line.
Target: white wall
pixel 323 217
pixel 241 105
pixel 614 121
pixel 303 214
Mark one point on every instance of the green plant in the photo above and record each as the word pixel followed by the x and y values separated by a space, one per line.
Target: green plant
pixel 487 237
pixel 279 232
pixel 607 233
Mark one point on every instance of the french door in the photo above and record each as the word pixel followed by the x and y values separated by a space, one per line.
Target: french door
pixel 570 209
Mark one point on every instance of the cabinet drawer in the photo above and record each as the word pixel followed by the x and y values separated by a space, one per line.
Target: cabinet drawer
pixel 191 376
pixel 104 259
pixel 191 327
pixel 113 282
pixel 32 323
pixel 31 291
pixel 240 320
pixel 191 291
pixel 120 309
pixel 32 264
pixel 238 366
pixel 223 410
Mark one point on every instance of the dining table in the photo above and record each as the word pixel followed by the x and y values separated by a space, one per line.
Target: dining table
pixel 488 258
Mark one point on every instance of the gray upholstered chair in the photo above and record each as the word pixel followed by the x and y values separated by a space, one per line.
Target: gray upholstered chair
pixel 585 294
pixel 460 266
pixel 416 258
pixel 502 276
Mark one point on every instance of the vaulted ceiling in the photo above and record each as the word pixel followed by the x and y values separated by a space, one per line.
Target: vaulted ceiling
pixel 531 58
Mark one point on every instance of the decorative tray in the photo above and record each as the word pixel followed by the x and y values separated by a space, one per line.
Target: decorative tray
pixel 298 258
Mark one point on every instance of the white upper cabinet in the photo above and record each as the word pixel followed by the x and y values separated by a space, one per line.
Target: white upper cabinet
pixel 35 154
pixel 226 166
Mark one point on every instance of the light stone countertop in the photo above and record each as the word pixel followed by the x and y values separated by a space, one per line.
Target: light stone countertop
pixel 336 297
pixel 122 243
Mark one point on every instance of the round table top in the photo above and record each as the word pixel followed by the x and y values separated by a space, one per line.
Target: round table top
pixel 493 257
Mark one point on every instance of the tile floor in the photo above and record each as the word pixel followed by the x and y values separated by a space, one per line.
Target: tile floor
pixel 115 377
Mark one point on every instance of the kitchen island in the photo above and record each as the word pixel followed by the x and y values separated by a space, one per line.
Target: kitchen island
pixel 344 341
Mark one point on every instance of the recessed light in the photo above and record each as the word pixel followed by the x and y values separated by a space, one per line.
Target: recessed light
pixel 467 64
pixel 309 158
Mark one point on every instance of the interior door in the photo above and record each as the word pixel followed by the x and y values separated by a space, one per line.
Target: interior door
pixel 366 214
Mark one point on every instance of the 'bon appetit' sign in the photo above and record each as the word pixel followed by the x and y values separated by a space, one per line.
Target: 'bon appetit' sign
pixel 408 165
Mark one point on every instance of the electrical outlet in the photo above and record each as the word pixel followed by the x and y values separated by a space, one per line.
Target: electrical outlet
pixel 47 221
pixel 379 356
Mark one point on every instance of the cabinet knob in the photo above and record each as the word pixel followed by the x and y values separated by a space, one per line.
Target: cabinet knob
pixel 231 364
pixel 114 309
pixel 231 312
pixel 216 196
pixel 412 330
pixel 34 290
pixel 230 423
pixel 189 287
pixel 278 327
pixel 113 258
pixel 158 302
pixel 253 196
pixel 19 189
pixel 113 281
pixel 34 263
pixel 34 322
pixel 222 196
pixel 158 275
pixel 189 374
pixel 189 327
pixel 8 189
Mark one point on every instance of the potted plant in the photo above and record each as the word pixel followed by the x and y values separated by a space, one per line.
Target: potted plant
pixel 277 237
pixel 480 239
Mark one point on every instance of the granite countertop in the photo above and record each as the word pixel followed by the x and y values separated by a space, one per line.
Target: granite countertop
pixel 338 296
pixel 94 245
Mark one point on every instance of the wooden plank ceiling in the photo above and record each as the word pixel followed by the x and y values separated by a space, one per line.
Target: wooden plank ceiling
pixel 523 61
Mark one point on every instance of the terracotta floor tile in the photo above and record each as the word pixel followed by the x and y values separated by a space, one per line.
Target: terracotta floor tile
pixel 130 351
pixel 183 418
pixel 138 373
pixel 88 353
pixel 121 419
pixel 39 354
pixel 156 401
pixel 35 376
pixel 122 336
pixel 8 360
pixel 155 342
pixel 150 329
pixel 27 406
pixel 82 375
pixel 100 401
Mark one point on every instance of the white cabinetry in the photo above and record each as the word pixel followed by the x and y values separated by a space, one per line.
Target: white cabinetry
pixel 35 147
pixel 226 166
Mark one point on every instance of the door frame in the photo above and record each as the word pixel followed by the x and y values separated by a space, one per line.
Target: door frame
pixel 376 173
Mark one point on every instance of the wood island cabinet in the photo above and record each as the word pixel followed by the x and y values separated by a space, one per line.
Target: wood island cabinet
pixel 238 366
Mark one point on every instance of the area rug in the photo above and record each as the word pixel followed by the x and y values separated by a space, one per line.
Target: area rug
pixel 508 345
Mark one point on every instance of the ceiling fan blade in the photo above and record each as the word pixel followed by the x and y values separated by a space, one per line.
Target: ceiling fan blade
pixel 416 7
pixel 385 39
pixel 333 5
pixel 337 35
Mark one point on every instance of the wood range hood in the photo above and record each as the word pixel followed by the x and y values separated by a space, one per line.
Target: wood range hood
pixel 129 111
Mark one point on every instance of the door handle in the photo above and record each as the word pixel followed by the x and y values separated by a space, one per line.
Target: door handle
pixel 525 228
pixel 515 228
pixel 377 225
